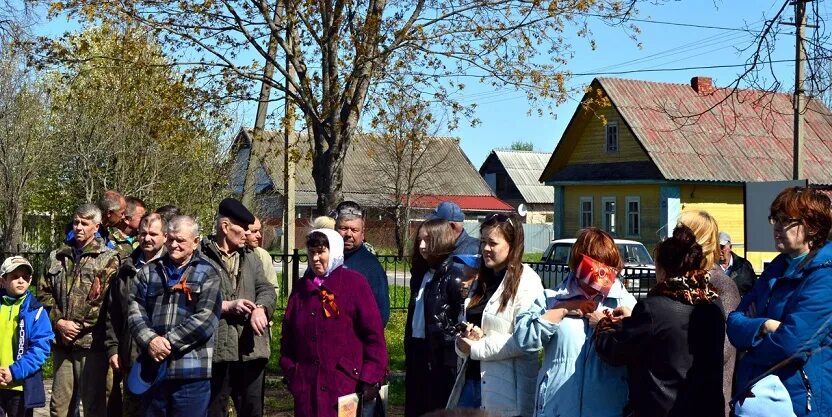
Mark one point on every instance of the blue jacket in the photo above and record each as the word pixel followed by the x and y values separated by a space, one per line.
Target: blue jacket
pixel 367 264
pixel 573 380
pixel 33 339
pixel 802 302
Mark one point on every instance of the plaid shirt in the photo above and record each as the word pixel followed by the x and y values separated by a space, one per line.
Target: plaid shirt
pixel 157 309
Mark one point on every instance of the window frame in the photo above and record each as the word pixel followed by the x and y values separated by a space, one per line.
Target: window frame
pixel 633 199
pixel 607 137
pixel 583 200
pixel 604 225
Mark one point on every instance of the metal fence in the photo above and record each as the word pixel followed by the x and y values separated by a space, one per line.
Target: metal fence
pixel 637 281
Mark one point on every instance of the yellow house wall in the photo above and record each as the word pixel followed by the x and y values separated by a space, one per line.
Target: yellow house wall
pixel 649 210
pixel 724 203
pixel 591 148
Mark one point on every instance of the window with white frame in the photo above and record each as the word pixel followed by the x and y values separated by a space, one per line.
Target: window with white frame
pixel 612 137
pixel 633 216
pixel 608 221
pixel 586 212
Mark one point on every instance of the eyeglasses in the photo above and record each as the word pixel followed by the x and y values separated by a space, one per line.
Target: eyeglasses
pixel 783 220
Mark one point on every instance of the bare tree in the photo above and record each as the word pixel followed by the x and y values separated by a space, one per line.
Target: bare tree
pixel 336 51
pixel 404 154
pixel 26 142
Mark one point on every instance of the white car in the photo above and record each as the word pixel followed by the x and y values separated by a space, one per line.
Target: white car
pixel 638 273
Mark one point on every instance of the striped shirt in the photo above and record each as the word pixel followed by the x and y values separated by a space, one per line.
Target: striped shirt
pixel 187 317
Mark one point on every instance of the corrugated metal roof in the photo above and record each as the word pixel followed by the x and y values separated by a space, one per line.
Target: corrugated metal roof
pixel 746 138
pixel 449 171
pixel 524 168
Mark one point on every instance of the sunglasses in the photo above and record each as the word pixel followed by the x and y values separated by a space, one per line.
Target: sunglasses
pixel 783 220
pixel 349 212
pixel 500 218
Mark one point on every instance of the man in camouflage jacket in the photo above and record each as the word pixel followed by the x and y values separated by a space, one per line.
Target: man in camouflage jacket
pixel 74 291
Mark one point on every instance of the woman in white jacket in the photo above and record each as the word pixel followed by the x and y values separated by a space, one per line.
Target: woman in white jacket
pixel 497 374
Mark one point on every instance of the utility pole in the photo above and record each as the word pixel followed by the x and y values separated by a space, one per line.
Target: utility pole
pixel 288 165
pixel 799 78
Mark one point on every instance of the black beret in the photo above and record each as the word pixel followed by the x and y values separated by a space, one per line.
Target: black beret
pixel 235 210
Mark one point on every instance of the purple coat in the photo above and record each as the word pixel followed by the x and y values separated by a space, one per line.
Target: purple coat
pixel 325 358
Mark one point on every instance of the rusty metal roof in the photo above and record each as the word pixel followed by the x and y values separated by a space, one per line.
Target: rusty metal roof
pixel 740 137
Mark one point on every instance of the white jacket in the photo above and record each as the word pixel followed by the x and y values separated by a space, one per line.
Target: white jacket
pixel 508 374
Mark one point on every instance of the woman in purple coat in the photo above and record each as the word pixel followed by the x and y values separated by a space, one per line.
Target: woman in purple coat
pixel 333 340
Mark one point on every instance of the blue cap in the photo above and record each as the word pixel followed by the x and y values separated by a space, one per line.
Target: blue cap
pixel 768 397
pixel 145 373
pixel 471 261
pixel 449 211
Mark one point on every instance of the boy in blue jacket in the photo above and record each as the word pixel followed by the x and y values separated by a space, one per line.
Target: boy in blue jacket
pixel 25 338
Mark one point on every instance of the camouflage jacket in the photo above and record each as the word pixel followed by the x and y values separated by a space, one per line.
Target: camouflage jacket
pixel 75 288
pixel 119 242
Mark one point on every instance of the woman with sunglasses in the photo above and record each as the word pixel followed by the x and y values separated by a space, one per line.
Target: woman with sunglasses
pixel 497 374
pixel 784 324
pixel 332 342
pixel 432 315
pixel 562 320
pixel 706 230
pixel 671 342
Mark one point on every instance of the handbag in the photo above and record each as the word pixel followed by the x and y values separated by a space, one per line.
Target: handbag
pixel 376 407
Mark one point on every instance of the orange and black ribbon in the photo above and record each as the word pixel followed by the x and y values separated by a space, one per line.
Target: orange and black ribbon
pixel 182 286
pixel 328 302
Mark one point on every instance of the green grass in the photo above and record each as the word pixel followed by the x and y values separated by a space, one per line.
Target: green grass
pixel 532 256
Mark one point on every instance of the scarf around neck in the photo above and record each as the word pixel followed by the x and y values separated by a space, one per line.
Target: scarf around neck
pixel 692 288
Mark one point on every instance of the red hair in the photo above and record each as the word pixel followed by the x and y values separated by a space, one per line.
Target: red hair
pixel 598 245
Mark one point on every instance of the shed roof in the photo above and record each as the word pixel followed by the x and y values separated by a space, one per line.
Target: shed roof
pixel 524 169
pixel 451 175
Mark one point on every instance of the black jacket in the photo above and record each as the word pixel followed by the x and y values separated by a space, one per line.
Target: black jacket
pixel 742 273
pixel 443 305
pixel 431 362
pixel 118 338
pixel 673 352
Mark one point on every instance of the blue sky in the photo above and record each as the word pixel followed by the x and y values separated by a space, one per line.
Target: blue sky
pixel 503 113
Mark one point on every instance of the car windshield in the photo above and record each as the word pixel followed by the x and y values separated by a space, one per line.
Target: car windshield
pixel 634 254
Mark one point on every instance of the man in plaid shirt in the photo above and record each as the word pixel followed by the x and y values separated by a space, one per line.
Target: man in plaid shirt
pixel 173 315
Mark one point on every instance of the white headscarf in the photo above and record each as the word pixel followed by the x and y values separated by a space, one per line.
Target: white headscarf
pixel 336 249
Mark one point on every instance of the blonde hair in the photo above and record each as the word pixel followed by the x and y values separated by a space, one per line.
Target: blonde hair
pixel 706 230
pixel 323 222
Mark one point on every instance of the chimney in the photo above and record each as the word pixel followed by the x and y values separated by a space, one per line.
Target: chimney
pixel 702 85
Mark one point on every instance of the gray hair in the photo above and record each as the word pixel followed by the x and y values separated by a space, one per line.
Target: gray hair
pixel 148 219
pixel 132 204
pixel 179 222
pixel 88 212
pixel 110 200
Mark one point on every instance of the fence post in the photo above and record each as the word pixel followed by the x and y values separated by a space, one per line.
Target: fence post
pixel 295 265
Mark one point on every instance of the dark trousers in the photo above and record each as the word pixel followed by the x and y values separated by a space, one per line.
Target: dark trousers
pixel 11 402
pixel 242 382
pixel 177 398
pixel 428 381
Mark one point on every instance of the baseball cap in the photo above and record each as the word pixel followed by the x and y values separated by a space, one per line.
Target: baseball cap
pixel 449 211
pixel 724 238
pixel 13 262
pixel 471 261
pixel 145 373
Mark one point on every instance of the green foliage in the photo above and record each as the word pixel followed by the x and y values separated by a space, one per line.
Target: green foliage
pixel 131 122
pixel 520 145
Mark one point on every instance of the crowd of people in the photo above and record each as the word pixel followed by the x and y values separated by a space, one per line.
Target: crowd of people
pixel 145 316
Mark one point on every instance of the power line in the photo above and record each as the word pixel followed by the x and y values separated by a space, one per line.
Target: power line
pixel 775 61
